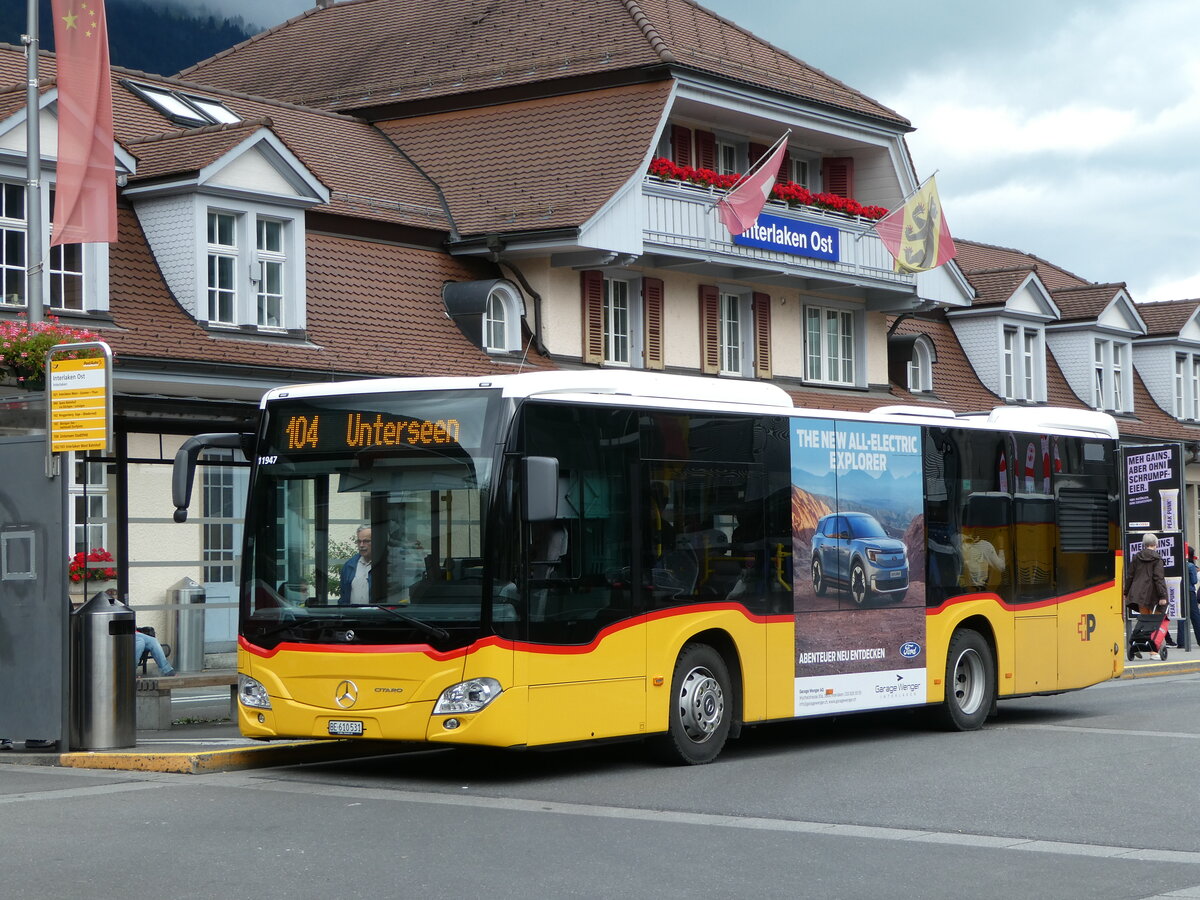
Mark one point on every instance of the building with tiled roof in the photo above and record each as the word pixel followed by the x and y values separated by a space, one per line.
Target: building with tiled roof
pixel 381 188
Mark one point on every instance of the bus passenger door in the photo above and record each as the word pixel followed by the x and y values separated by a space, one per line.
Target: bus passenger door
pixel 584 658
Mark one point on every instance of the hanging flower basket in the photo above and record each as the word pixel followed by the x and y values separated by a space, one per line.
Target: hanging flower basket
pixel 23 348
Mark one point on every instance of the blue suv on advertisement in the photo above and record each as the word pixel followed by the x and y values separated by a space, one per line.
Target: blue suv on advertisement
pixel 852 549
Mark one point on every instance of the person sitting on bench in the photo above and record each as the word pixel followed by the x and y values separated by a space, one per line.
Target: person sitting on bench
pixel 142 643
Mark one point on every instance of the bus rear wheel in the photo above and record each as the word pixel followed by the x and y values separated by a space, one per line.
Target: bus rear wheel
pixel 970 682
pixel 700 710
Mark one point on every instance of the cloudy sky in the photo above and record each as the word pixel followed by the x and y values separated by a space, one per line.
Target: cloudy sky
pixel 1065 128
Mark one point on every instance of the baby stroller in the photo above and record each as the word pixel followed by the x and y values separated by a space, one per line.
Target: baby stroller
pixel 1149 634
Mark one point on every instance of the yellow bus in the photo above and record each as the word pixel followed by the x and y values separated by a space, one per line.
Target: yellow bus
pixel 549 558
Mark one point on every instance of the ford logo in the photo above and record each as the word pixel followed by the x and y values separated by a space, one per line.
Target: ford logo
pixel 909 649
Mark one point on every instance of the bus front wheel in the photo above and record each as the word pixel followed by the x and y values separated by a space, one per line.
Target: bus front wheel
pixel 970 682
pixel 700 710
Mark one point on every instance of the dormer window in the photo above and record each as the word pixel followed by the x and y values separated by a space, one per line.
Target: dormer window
pixel 249 281
pixel 1022 356
pixel 502 319
pixel 1109 389
pixel 920 368
pixel 1187 386
pixel 190 110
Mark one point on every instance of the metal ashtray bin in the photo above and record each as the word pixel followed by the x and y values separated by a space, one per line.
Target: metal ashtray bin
pixel 102 682
pixel 188 597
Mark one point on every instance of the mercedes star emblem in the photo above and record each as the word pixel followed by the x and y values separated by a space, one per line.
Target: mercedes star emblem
pixel 345 694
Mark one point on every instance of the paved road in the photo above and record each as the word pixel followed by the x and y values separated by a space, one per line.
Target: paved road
pixel 1079 795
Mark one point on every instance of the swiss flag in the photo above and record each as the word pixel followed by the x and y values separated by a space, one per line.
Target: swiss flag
pixel 85 198
pixel 740 207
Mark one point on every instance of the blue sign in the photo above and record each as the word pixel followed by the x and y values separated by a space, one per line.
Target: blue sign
pixel 790 236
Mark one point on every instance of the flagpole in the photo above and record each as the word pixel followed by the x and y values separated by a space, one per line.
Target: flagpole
pixel 33 170
pixel 905 199
pixel 758 165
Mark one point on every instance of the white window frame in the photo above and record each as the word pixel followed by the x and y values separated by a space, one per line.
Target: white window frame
pixel 221 260
pixel 252 267
pixel 920 369
pixel 729 157
pixel 91 273
pixel 1022 362
pixel 804 168
pixel 1195 360
pixel 88 506
pixel 821 358
pixel 502 320
pixel 620 305
pixel 1109 389
pixel 736 329
pixel 1008 387
pixel 1181 404
pixel 271 294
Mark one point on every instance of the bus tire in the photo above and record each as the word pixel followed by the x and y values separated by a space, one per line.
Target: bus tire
pixel 970 682
pixel 701 708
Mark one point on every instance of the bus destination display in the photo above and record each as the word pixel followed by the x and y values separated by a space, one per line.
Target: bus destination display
pixel 356 431
pixel 408 422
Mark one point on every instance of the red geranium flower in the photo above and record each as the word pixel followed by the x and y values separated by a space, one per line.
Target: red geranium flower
pixel 79 567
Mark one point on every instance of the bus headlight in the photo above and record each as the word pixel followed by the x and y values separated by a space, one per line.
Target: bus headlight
pixel 252 693
pixel 467 696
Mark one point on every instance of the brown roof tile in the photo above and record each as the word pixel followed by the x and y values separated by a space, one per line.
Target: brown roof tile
pixel 1085 302
pixel 188 150
pixel 365 53
pixel 373 309
pixel 546 163
pixel 955 383
pixel 367 177
pixel 973 256
pixel 1167 317
pixel 995 286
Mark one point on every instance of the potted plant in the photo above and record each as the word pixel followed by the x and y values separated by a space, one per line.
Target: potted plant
pixel 87 572
pixel 24 344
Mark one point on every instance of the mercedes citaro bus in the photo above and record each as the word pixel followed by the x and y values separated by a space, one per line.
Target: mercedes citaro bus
pixel 550 558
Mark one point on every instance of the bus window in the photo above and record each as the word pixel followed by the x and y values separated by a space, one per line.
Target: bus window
pixel 577 568
pixel 968 514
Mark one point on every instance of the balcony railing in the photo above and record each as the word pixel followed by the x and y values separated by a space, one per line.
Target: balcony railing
pixel 681 221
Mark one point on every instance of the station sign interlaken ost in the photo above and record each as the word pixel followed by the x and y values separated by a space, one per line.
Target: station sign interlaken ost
pixel 80 395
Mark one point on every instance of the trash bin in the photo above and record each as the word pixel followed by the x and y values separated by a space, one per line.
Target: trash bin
pixel 102 683
pixel 188 597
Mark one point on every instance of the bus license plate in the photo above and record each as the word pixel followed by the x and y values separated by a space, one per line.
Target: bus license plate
pixel 345 727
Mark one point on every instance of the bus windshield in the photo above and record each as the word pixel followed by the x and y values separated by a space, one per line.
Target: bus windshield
pixel 366 519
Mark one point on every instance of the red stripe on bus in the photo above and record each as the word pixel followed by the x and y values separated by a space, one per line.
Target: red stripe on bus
pixel 524 646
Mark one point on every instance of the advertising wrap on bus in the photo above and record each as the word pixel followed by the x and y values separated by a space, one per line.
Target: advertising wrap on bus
pixel 856 508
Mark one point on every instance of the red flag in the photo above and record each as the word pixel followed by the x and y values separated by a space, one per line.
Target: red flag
pixel 740 207
pixel 85 200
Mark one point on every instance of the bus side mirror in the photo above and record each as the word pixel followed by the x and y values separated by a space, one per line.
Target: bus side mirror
pixel 184 471
pixel 541 488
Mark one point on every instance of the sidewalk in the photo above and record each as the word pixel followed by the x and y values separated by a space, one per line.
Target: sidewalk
pixel 197 749
pixel 219 747
pixel 1178 662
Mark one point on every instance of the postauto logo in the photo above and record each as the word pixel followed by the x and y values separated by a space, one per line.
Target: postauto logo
pixel 1087 625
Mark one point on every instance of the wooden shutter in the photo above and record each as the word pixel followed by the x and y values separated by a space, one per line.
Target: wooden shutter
pixel 681 145
pixel 762 335
pixel 652 310
pixel 592 291
pixel 785 169
pixel 837 176
pixel 710 329
pixel 755 152
pixel 706 150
